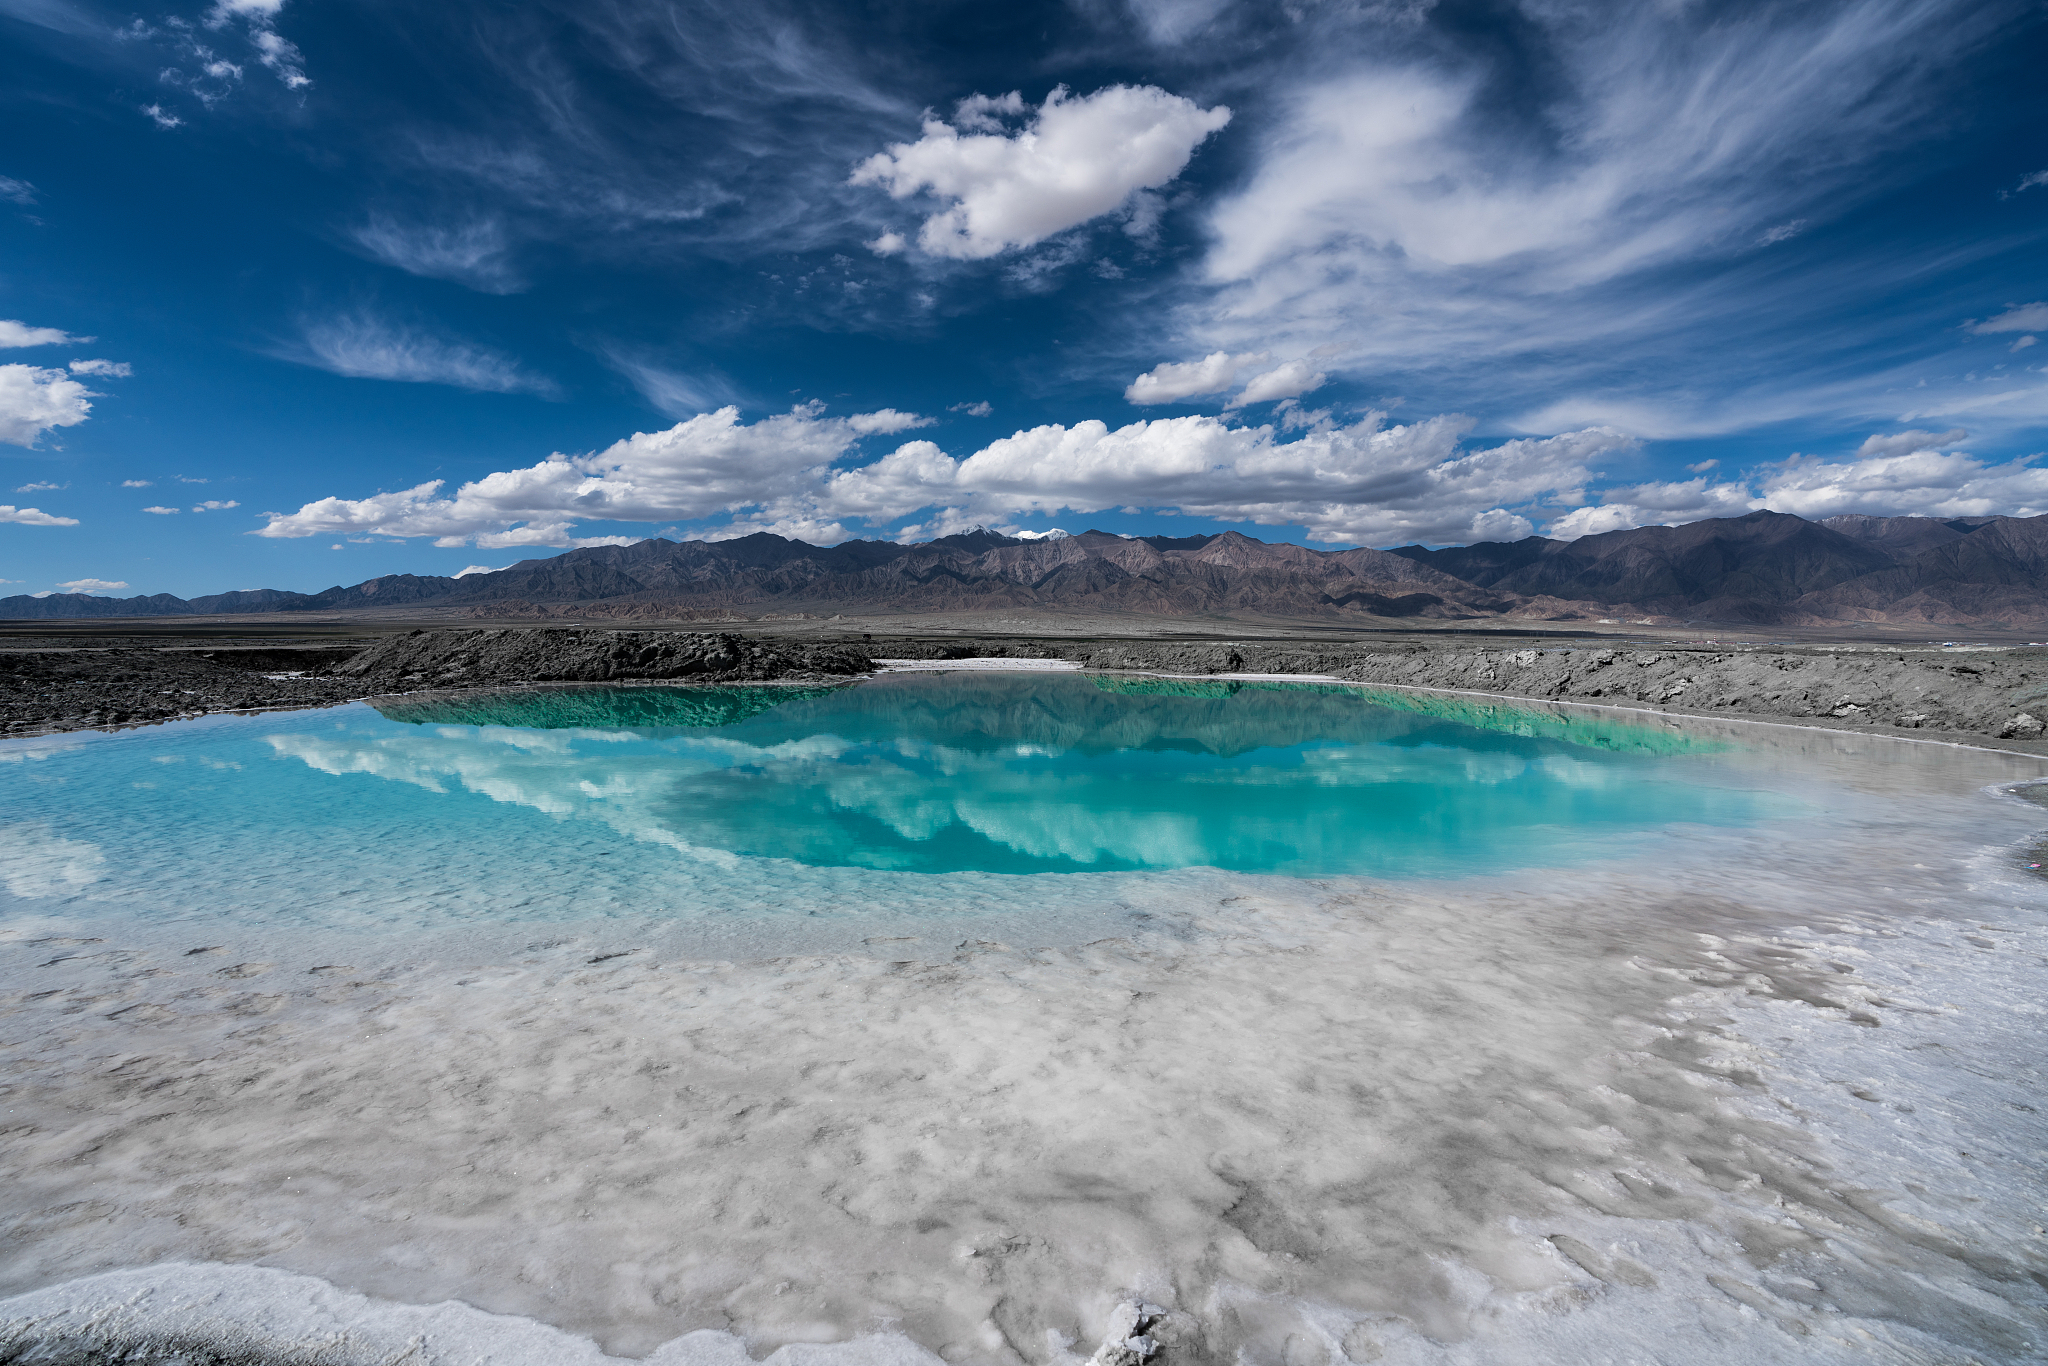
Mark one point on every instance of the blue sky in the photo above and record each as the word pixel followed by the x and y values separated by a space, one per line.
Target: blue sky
pixel 377 287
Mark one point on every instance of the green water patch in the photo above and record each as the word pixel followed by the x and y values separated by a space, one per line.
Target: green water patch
pixel 1590 729
pixel 1578 728
pixel 603 708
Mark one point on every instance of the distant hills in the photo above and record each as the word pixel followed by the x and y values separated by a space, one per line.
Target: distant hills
pixel 1764 568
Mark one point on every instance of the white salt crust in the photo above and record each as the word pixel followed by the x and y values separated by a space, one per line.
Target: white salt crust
pixel 1754 1096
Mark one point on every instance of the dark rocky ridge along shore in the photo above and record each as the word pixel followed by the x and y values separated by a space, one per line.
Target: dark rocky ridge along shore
pixel 44 690
pixel 1995 697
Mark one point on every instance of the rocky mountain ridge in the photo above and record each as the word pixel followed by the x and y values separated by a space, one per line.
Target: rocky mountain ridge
pixel 1764 568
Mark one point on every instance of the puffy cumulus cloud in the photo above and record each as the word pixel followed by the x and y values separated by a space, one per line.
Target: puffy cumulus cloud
pixel 216 505
pixel 701 467
pixel 475 253
pixel 33 400
pixel 1172 381
pixel 364 347
pixel 2020 318
pixel 1368 482
pixel 162 511
pixel 1074 160
pixel 33 517
pixel 1295 378
pixel 1899 474
pixel 17 334
pixel 472 569
pixel 92 585
pixel 1918 483
pixel 1656 504
pixel 885 421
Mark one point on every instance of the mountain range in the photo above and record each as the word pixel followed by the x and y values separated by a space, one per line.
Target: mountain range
pixel 1765 568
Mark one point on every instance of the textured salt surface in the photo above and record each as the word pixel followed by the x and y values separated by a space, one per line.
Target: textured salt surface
pixel 1765 1094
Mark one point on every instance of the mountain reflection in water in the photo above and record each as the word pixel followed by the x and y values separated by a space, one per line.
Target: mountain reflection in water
pixel 950 772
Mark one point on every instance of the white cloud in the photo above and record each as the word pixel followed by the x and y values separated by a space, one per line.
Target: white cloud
pixel 364 347
pixel 475 253
pixel 885 421
pixel 889 244
pixel 1295 378
pixel 92 585
pixel 1367 482
pixel 1172 381
pixel 162 511
pixel 281 57
pixel 1899 443
pixel 138 483
pixel 703 466
pixel 13 334
pixel 2023 343
pixel 2027 182
pixel 33 400
pixel 215 505
pixel 473 569
pixel 1657 504
pixel 1465 230
pixel 112 369
pixel 672 391
pixel 1900 474
pixel 33 517
pixel 1783 232
pixel 162 117
pixel 1075 160
pixel 2021 318
pixel 21 192
pixel 978 409
pixel 273 51
pixel 1921 483
pixel 39 487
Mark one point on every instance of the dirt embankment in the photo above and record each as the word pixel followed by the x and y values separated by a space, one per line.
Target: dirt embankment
pixel 46 690
pixel 1985 695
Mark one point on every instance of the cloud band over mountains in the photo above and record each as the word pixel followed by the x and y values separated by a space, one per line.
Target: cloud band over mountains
pixel 1370 482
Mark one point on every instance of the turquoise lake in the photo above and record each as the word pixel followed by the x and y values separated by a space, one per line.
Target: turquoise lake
pixel 593 800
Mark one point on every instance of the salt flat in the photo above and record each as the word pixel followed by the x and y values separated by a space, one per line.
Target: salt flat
pixel 1766 1090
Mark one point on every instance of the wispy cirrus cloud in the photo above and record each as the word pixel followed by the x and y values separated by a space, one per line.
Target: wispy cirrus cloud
pixel 361 345
pixel 18 334
pixel 476 252
pixel 1471 233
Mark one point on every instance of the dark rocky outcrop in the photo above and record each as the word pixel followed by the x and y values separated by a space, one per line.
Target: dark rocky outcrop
pixel 440 659
pixel 74 689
